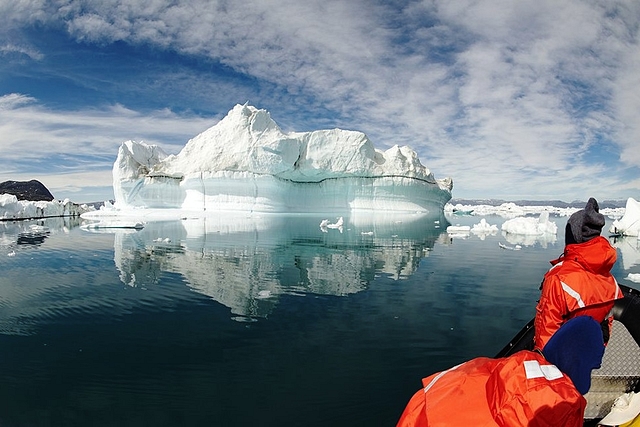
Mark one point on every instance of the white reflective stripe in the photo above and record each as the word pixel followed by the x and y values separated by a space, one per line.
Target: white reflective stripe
pixel 573 294
pixel 556 265
pixel 551 372
pixel 617 288
pixel 534 370
pixel 437 377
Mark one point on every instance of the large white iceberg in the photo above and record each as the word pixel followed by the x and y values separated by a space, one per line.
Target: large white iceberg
pixel 629 224
pixel 245 162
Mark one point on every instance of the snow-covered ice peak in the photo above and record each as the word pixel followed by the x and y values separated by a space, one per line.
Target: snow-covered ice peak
pixel 246 162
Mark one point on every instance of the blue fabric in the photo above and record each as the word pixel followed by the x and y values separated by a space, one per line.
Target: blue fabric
pixel 577 348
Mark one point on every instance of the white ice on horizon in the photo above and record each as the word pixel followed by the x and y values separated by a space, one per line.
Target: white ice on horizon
pixel 12 208
pixel 512 210
pixel 517 231
pixel 247 163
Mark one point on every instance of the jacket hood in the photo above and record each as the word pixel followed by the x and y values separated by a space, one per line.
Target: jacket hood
pixel 596 256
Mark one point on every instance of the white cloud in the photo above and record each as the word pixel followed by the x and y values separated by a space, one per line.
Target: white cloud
pixel 31 130
pixel 626 99
pixel 73 150
pixel 30 52
pixel 521 90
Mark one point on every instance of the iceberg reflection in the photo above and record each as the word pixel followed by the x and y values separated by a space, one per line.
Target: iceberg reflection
pixel 246 262
pixel 628 249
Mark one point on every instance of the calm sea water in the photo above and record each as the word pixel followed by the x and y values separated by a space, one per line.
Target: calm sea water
pixel 261 321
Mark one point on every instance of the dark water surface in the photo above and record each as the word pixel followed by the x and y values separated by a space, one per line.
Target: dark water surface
pixel 262 321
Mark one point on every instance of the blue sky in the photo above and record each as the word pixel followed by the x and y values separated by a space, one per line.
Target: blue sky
pixel 533 99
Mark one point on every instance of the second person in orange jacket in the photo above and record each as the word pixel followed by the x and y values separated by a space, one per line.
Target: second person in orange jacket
pixel 580 281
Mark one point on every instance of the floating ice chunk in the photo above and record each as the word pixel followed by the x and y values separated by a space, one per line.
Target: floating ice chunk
pixel 511 248
pixel 629 224
pixel 634 277
pixel 483 226
pixel 264 294
pixel 338 223
pixel 458 229
pixel 530 226
pixel 325 225
pixel 113 224
pixel 484 229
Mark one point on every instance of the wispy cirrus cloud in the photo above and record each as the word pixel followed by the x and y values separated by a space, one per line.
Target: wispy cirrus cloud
pixel 69 150
pixel 538 98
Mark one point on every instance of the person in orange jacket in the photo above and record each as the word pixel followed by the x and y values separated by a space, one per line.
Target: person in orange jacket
pixel 580 281
pixel 528 388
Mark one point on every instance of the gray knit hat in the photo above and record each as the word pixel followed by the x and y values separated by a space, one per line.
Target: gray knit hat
pixel 585 224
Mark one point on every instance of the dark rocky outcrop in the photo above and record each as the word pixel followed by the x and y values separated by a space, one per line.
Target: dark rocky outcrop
pixel 32 190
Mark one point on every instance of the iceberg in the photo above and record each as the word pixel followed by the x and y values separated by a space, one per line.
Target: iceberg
pixel 528 231
pixel 12 209
pixel 531 226
pixel 247 163
pixel 484 229
pixel 629 224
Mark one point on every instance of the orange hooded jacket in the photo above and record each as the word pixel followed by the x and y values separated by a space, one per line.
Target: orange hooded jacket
pixel 520 390
pixel 579 283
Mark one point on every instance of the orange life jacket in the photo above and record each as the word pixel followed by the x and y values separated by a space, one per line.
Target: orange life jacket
pixel 579 283
pixel 520 390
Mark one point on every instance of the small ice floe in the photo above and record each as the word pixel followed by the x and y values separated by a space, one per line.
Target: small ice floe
pixel 114 224
pixel 366 233
pixel 462 211
pixel 483 226
pixel 244 319
pixel 12 253
pixel 511 248
pixel 634 277
pixel 325 224
pixel 338 224
pixel 458 229
pixel 264 294
pixel 484 229
pixel 531 226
